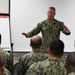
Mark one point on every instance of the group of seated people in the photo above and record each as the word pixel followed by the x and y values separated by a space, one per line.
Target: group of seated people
pixel 39 63
pixel 50 63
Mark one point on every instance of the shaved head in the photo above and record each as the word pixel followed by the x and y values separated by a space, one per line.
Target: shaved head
pixel 36 41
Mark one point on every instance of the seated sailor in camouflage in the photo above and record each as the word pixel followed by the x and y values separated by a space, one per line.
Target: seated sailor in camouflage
pixel 3 70
pixel 8 57
pixel 29 58
pixel 50 29
pixel 54 65
pixel 70 63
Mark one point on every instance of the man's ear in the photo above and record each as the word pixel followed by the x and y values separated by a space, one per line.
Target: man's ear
pixel 30 45
pixel 65 65
pixel 2 69
pixel 54 14
pixel 48 50
pixel 62 53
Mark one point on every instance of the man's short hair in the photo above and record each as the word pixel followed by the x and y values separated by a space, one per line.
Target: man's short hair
pixel 36 42
pixel 71 59
pixel 52 8
pixel 56 47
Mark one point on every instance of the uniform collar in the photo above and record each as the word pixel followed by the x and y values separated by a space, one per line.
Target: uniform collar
pixel 54 21
pixel 55 59
pixel 36 51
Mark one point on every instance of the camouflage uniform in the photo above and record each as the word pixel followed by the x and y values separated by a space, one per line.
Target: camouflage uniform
pixel 50 31
pixel 73 73
pixel 8 60
pixel 6 72
pixel 48 67
pixel 29 59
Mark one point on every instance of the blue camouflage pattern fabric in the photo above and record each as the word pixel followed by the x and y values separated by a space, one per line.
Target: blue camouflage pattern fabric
pixel 73 73
pixel 50 31
pixel 29 59
pixel 8 60
pixel 48 67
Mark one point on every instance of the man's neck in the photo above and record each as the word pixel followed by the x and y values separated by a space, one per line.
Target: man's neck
pixel 36 49
pixel 50 20
pixel 51 56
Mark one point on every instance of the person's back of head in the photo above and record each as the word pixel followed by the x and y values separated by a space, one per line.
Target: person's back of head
pixel 56 48
pixel 70 62
pixel 2 63
pixel 36 42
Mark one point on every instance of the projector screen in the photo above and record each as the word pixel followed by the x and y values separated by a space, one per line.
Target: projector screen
pixel 25 14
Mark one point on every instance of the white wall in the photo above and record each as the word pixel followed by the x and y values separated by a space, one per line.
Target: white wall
pixel 4 6
pixel 25 14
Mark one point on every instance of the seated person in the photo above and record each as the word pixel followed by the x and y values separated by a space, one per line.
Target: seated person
pixel 8 57
pixel 3 70
pixel 54 65
pixel 34 56
pixel 70 63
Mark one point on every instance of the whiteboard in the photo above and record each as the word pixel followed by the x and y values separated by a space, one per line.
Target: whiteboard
pixel 5 32
pixel 25 14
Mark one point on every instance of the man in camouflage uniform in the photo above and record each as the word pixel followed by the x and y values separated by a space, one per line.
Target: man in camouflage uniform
pixel 35 56
pixel 8 58
pixel 54 65
pixel 50 29
pixel 70 63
